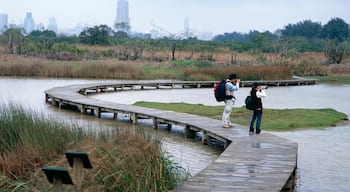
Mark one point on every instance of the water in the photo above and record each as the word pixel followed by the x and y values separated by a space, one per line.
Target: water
pixel 323 157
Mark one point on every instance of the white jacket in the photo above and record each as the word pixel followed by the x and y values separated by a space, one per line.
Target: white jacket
pixel 260 94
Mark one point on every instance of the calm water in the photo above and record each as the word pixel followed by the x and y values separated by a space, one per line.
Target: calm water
pixel 324 158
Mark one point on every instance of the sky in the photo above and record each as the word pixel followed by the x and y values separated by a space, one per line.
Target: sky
pixel 214 16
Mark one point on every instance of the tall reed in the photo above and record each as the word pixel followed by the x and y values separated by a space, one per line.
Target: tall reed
pixel 123 159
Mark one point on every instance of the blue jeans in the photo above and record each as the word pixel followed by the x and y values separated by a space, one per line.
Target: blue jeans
pixel 257 115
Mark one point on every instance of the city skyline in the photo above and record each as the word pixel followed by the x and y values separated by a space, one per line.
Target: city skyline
pixel 212 16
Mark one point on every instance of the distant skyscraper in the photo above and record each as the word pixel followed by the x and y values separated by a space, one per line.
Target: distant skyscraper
pixel 3 22
pixel 186 27
pixel 28 23
pixel 122 20
pixel 52 26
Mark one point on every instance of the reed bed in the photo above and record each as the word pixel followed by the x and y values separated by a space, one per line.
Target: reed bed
pixel 123 159
pixel 248 68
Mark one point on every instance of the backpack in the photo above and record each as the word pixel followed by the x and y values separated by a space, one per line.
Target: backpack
pixel 220 91
pixel 249 103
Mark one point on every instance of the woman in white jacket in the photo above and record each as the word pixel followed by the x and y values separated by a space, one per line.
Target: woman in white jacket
pixel 257 93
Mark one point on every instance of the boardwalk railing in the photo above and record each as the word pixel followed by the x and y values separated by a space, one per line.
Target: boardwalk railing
pixel 249 163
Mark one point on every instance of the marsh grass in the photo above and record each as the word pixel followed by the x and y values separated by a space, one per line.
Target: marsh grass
pixel 114 69
pixel 273 119
pixel 123 159
pixel 342 79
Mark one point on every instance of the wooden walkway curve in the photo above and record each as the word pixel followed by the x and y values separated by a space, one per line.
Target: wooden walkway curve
pixel 249 163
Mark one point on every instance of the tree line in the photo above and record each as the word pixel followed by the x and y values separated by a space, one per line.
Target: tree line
pixel 306 36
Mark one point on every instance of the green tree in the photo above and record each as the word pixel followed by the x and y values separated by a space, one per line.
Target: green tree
pixel 122 27
pixel 336 29
pixel 335 51
pixel 13 40
pixel 98 35
pixel 308 29
pixel 40 42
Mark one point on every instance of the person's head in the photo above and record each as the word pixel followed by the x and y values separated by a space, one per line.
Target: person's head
pixel 257 86
pixel 232 77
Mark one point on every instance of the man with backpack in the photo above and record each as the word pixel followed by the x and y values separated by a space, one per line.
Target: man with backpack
pixel 232 84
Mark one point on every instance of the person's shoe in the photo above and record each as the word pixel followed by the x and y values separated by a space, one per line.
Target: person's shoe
pixel 251 132
pixel 231 125
pixel 226 126
pixel 258 131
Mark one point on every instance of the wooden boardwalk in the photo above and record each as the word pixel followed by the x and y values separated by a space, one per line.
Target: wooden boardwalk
pixel 249 163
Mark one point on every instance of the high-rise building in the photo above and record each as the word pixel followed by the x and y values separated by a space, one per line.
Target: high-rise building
pixel 186 27
pixel 3 22
pixel 122 21
pixel 28 23
pixel 52 26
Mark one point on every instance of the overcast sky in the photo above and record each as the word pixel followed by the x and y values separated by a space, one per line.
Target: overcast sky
pixel 216 16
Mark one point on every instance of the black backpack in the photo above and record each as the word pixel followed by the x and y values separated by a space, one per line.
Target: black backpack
pixel 250 103
pixel 220 91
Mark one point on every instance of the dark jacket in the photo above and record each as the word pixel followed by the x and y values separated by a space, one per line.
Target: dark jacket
pixel 256 100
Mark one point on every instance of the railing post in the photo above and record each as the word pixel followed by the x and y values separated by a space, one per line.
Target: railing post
pixel 78 161
pixel 57 176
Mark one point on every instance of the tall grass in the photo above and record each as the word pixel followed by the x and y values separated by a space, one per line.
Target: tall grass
pixel 114 69
pixel 123 159
pixel 29 140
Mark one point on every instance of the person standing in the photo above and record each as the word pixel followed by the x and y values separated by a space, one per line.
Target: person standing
pixel 257 93
pixel 232 84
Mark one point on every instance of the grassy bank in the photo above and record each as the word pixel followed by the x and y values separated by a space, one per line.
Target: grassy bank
pixel 123 160
pixel 333 79
pixel 273 119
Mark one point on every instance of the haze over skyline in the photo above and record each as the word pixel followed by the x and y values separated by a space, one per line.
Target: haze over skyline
pixel 215 16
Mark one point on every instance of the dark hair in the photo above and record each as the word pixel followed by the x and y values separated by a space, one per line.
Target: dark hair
pixel 232 76
pixel 256 84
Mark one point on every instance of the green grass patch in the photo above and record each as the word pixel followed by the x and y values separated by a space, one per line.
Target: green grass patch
pixel 273 119
pixel 332 79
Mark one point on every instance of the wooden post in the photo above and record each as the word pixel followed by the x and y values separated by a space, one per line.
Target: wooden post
pixel 82 109
pixel 169 126
pixel 98 111
pixel 57 176
pixel 204 137
pixel 57 185
pixel 78 161
pixel 53 101
pixel 134 118
pixel 187 131
pixel 155 123
pixel 78 174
